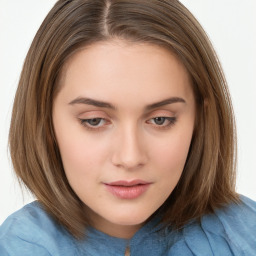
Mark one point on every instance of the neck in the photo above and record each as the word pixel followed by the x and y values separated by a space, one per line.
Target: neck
pixel 119 231
pixel 113 229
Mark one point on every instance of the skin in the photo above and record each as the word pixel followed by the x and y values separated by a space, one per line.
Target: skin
pixel 125 142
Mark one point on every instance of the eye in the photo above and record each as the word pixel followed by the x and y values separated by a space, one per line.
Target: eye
pixel 161 121
pixel 93 123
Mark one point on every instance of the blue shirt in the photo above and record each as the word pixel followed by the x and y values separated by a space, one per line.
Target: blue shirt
pixel 229 231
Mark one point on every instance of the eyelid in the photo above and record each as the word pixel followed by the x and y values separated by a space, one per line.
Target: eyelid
pixel 85 124
pixel 93 114
pixel 162 113
pixel 90 115
pixel 171 120
pixel 170 117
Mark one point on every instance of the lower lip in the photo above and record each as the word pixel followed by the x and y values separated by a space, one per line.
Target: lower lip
pixel 127 192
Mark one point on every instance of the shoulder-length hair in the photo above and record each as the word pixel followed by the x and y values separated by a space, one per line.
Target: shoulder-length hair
pixel 208 178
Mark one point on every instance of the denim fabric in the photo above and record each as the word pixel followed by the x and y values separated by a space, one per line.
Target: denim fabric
pixel 229 231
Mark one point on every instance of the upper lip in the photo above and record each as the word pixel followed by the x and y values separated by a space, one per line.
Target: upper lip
pixel 127 183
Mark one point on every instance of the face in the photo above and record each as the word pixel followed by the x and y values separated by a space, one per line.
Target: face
pixel 123 120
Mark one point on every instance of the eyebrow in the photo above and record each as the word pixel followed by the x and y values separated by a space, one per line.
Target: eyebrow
pixel 102 104
pixel 165 102
pixel 92 102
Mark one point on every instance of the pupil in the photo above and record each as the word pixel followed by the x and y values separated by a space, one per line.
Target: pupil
pixel 94 121
pixel 159 120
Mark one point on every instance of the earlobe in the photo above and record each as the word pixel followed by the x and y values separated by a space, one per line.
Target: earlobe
pixel 206 103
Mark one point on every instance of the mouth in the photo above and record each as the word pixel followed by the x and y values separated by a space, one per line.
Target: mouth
pixel 127 189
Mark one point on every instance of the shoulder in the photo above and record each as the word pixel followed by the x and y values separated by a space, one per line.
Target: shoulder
pixel 237 218
pixel 235 222
pixel 31 231
pixel 230 230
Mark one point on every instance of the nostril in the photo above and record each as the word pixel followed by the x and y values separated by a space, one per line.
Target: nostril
pixel 129 152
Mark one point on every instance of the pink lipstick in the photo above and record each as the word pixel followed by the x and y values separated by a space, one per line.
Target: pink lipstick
pixel 127 189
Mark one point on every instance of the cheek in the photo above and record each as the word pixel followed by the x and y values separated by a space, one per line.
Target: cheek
pixel 81 163
pixel 172 153
pixel 77 150
pixel 170 158
pixel 169 162
pixel 80 153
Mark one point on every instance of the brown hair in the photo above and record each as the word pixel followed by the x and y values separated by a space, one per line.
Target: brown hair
pixel 208 179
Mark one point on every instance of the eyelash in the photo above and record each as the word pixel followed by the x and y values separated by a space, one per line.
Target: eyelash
pixel 171 122
pixel 85 123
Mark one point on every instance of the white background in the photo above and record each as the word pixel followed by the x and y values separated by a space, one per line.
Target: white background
pixel 231 26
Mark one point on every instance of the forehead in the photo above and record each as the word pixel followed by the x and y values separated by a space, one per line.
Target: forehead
pixel 118 69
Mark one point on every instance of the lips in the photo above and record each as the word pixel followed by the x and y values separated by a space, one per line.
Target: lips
pixel 127 189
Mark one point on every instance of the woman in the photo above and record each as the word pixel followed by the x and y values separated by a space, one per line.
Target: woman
pixel 123 129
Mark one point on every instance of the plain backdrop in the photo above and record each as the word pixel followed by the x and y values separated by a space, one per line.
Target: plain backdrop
pixel 231 26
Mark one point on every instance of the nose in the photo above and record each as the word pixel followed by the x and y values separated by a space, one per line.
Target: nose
pixel 130 150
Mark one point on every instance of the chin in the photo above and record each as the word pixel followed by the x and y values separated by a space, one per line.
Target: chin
pixel 130 219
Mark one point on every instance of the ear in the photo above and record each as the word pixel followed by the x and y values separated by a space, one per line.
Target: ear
pixel 206 103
